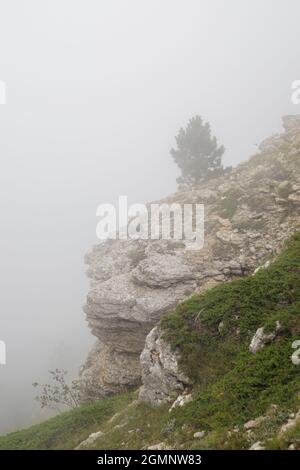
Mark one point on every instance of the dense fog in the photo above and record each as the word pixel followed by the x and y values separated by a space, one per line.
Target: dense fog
pixel 96 92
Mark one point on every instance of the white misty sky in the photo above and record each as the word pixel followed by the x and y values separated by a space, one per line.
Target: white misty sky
pixel 96 91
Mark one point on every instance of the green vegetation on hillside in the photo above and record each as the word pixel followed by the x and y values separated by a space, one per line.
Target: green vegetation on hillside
pixel 213 332
pixel 68 429
pixel 231 385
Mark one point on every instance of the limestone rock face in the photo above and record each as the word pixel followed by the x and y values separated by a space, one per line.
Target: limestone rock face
pixel 261 338
pixel 89 441
pixel 107 371
pixel 181 400
pixel 254 423
pixel 257 446
pixel 292 421
pixel 249 213
pixel 163 270
pixel 161 377
pixel 122 309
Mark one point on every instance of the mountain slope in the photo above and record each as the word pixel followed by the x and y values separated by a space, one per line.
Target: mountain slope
pixel 229 384
pixel 249 213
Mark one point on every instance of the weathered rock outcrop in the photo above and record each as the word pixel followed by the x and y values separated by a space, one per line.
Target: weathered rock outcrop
pixel 249 213
pixel 161 377
pixel 125 301
pixel 261 338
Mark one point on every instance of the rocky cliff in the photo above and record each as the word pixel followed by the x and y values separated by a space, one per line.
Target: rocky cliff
pixel 249 213
pixel 223 366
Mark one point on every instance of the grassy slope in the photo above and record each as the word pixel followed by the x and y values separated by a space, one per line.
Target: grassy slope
pixel 231 385
pixel 68 429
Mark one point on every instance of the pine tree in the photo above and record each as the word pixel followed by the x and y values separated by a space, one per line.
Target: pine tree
pixel 197 155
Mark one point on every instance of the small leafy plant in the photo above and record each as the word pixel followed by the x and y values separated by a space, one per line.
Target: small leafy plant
pixel 58 394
